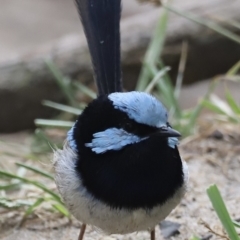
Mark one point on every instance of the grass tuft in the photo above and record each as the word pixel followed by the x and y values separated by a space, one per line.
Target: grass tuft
pixel 222 212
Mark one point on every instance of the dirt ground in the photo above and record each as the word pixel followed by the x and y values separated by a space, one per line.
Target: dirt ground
pixel 213 157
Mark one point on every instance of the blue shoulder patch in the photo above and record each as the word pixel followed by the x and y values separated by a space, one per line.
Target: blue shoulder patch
pixel 70 139
pixel 112 139
pixel 141 107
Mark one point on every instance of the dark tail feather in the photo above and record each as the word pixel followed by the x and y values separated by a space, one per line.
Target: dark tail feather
pixel 101 22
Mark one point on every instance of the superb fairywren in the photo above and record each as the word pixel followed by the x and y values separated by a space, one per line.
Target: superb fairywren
pixel 120 169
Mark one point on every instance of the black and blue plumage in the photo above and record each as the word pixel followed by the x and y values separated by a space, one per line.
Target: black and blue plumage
pixel 120 169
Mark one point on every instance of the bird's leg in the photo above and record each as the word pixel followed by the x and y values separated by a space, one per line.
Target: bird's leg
pixel 82 231
pixel 152 234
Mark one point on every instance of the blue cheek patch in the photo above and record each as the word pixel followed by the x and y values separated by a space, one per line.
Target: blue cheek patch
pixel 112 139
pixel 172 142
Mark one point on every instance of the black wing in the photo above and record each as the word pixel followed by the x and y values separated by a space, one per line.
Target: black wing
pixel 101 22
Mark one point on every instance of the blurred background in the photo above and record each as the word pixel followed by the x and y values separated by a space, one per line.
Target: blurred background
pixel 33 31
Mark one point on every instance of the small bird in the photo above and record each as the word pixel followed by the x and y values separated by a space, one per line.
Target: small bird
pixel 120 169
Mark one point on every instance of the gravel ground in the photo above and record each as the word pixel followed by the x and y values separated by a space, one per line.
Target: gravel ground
pixel 213 157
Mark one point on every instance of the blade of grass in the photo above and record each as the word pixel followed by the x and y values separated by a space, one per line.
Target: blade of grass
pixel 167 78
pixel 221 210
pixel 35 183
pixel 172 103
pixel 208 104
pixel 167 91
pixel 181 69
pixel 9 187
pixel 85 90
pixel 234 23
pixel 62 107
pixel 36 170
pixel 31 208
pixel 232 103
pixel 155 80
pixel 53 123
pixel 60 208
pixel 234 69
pixel 8 203
pixel 154 51
pixel 195 238
pixel 224 107
pixel 42 136
pixel 63 82
pixel 197 110
pixel 215 27
pixel 236 224
pixel 226 21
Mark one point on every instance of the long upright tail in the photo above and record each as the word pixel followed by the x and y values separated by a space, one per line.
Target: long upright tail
pixel 101 22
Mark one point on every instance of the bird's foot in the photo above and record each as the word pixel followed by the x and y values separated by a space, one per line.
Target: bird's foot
pixel 82 231
pixel 152 234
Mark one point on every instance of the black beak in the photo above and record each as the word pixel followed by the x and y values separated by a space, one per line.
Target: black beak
pixel 168 132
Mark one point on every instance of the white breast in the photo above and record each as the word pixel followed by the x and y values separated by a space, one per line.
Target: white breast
pixel 89 210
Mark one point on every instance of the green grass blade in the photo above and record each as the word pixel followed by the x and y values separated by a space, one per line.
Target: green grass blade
pixel 233 23
pixel 36 170
pixel 35 183
pixel 181 69
pixel 193 115
pixel 9 187
pixel 8 203
pixel 221 210
pixel 53 123
pixel 207 23
pixel 214 108
pixel 42 136
pixel 63 82
pixel 85 90
pixel 60 208
pixel 153 52
pixel 156 79
pixel 232 103
pixel 236 224
pixel 219 110
pixel 234 70
pixel 167 79
pixel 62 107
pixel 195 238
pixel 168 97
pixel 31 208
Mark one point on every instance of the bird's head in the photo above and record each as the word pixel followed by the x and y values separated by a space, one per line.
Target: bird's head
pixel 112 122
